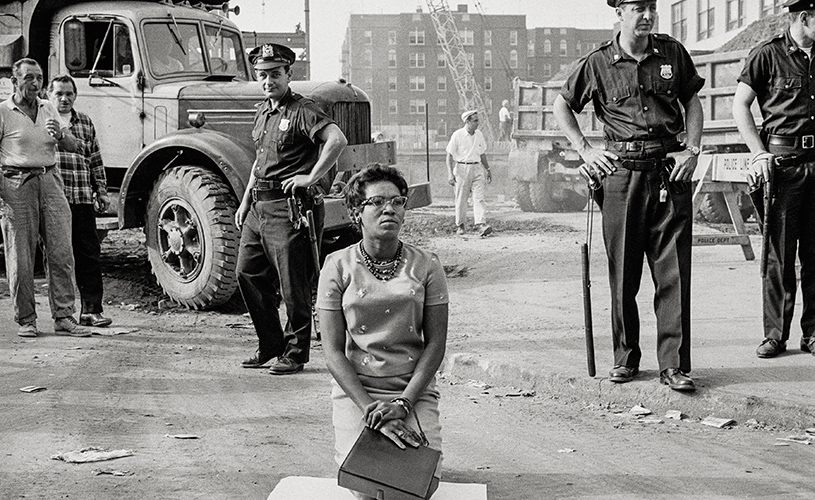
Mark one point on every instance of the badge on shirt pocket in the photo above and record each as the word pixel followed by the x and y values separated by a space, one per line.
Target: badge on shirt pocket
pixel 284 125
pixel 666 71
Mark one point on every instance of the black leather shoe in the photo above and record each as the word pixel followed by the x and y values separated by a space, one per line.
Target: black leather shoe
pixel 808 344
pixel 622 374
pixel 770 348
pixel 676 380
pixel 257 361
pixel 285 366
pixel 94 319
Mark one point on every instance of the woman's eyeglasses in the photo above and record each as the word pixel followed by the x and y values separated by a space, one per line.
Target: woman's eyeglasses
pixel 381 201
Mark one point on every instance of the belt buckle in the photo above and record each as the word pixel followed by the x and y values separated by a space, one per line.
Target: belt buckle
pixel 808 141
pixel 633 146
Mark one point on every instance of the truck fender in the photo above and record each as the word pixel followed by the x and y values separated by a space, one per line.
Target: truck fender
pixel 206 148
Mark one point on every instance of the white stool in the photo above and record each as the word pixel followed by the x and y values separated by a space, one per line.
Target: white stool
pixel 319 488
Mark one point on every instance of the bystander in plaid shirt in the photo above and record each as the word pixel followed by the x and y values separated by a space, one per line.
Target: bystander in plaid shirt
pixel 82 172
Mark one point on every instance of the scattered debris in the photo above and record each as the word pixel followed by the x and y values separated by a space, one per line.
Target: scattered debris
pixel 811 430
pixel 479 385
pixel 111 472
pixel 719 423
pixel 246 326
pixel 798 439
pixel 651 420
pixel 32 388
pixel 130 307
pixel 111 332
pixel 566 450
pixel 778 443
pixel 182 436
pixel 91 454
pixel 639 411
pixel 674 415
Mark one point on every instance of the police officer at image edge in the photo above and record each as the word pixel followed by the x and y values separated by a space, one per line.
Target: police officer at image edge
pixel 778 73
pixel 644 89
pixel 296 144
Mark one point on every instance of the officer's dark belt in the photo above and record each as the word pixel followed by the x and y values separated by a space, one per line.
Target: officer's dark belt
pixel 10 169
pixel 268 190
pixel 667 143
pixel 805 144
pixel 650 164
pixel 468 162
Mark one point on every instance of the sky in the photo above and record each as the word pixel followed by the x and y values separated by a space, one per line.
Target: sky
pixel 329 19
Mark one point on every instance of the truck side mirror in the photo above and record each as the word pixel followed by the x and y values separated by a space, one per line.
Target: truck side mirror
pixel 140 80
pixel 74 34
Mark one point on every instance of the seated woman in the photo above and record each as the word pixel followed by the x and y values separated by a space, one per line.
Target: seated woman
pixel 383 316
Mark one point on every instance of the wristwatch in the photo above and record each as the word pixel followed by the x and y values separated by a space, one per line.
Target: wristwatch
pixel 693 150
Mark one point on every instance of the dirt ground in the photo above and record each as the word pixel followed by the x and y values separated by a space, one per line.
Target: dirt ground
pixel 173 373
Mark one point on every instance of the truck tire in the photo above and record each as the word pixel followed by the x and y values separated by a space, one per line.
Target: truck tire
pixel 192 242
pixel 713 208
pixel 544 199
pixel 522 196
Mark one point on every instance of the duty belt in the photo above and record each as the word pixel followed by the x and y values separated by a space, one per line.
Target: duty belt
pixel 666 143
pixel 268 190
pixel 649 164
pixel 791 141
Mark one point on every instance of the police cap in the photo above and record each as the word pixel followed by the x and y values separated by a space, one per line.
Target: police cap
pixel 799 5
pixel 271 55
pixel 617 3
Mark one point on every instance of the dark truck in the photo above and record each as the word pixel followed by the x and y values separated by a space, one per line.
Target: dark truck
pixel 176 140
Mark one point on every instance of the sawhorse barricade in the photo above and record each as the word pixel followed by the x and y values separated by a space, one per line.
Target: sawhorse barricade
pixel 723 173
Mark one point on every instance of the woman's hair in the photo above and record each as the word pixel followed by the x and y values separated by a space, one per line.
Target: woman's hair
pixel 355 189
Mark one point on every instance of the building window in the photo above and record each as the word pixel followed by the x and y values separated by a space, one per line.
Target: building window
pixel 391 58
pixel 547 31
pixel 392 83
pixel 547 70
pixel 441 61
pixel 417 83
pixel 465 17
pixel 579 48
pixel 393 106
pixel 679 21
pixel 369 82
pixel 487 37
pixel 471 59
pixel 368 37
pixel 417 16
pixel 367 59
pixel 417 60
pixel 487 83
pixel 417 107
pixel 562 67
pixel 441 106
pixel 735 14
pixel 442 130
pixel 513 58
pixel 564 48
pixel 391 38
pixel 706 19
pixel 547 47
pixel 416 37
pixel 513 37
pixel 488 59
pixel 530 49
pixel 770 7
pixel 467 37
pixel 441 84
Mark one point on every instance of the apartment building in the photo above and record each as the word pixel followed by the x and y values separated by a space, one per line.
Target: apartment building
pixel 551 50
pixel 397 61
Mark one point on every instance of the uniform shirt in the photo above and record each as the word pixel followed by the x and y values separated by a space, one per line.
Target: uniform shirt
pixel 285 137
pixel 24 143
pixel 82 171
pixel 465 147
pixel 384 319
pixel 780 74
pixel 635 100
pixel 504 115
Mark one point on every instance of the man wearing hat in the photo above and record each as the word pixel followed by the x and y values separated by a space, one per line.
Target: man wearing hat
pixel 643 87
pixel 273 259
pixel 778 72
pixel 468 171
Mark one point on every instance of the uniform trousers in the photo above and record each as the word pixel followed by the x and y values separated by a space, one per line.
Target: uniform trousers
pixel 85 242
pixel 792 231
pixel 636 224
pixel 275 263
pixel 36 210
pixel 470 178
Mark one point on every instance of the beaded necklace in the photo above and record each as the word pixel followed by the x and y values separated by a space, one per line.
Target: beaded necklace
pixel 382 270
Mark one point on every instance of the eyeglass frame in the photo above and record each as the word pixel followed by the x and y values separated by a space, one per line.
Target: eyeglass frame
pixel 370 201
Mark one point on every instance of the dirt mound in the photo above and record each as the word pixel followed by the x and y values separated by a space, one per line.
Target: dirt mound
pixel 757 32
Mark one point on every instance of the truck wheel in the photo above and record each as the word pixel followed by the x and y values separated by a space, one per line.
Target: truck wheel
pixel 714 209
pixel 192 242
pixel 522 196
pixel 540 194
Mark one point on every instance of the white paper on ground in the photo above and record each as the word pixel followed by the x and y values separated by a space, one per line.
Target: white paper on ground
pixel 319 488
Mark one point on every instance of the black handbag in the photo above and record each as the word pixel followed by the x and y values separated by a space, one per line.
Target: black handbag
pixel 376 467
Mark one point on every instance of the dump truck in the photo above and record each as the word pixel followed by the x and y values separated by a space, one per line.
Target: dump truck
pixel 544 166
pixel 176 140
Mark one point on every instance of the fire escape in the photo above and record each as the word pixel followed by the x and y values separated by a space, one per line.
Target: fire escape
pixel 469 94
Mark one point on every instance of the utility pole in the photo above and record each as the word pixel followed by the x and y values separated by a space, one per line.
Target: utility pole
pixel 308 42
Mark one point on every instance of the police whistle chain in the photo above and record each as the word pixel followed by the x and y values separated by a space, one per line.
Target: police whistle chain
pixel 585 251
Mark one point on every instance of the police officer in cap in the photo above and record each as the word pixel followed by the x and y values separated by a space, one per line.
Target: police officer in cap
pixel 296 144
pixel 779 73
pixel 643 87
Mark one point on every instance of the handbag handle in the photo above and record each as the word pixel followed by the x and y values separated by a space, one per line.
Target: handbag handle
pixel 408 406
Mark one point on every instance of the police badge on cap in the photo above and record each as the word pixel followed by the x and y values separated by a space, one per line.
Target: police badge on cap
pixel 271 55
pixel 799 5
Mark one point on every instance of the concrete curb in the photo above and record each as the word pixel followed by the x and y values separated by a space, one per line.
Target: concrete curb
pixel 645 390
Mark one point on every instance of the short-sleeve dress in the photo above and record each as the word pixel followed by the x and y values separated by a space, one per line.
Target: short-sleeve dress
pixel 384 334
